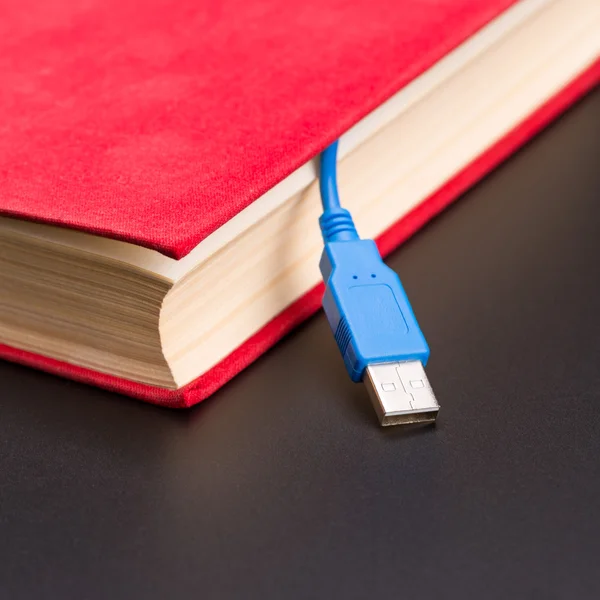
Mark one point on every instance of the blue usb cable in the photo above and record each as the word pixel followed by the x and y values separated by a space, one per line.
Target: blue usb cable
pixel 370 316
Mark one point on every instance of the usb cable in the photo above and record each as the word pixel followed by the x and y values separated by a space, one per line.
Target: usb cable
pixel 369 314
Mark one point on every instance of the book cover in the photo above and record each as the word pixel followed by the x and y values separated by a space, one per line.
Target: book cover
pixel 157 123
pixel 158 126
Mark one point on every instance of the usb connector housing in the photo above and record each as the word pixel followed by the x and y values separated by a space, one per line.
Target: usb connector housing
pixel 401 393
pixel 374 325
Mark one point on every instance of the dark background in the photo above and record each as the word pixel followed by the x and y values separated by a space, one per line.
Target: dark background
pixel 283 486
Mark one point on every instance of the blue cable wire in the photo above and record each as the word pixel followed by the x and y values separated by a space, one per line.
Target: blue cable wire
pixel 328 178
pixel 336 222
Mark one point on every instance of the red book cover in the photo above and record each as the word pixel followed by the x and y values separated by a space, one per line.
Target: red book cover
pixel 118 116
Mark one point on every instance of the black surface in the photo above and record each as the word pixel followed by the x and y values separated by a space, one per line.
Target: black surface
pixel 283 486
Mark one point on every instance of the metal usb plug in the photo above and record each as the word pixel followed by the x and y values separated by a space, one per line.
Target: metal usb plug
pixel 401 393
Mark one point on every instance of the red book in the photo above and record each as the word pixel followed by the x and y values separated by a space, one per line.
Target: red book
pixel 156 166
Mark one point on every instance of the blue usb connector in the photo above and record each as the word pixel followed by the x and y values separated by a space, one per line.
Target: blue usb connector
pixel 370 316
